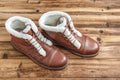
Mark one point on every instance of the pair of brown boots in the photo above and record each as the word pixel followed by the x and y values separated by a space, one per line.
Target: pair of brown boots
pixel 58 29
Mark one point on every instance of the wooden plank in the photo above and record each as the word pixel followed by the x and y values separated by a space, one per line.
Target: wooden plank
pixel 107 51
pixel 75 10
pixel 60 79
pixel 5 46
pixel 110 39
pixel 81 68
pixel 107 18
pixel 13 1
pixel 34 1
pixel 72 3
pixel 15 10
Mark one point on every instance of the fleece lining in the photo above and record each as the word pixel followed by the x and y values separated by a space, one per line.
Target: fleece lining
pixel 50 18
pixel 17 23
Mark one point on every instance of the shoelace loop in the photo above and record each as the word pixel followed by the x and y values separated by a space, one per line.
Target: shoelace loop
pixel 71 38
pixel 37 45
pixel 43 39
pixel 39 48
pixel 69 34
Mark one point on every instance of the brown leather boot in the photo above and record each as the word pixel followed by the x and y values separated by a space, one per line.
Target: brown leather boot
pixel 27 39
pixel 59 28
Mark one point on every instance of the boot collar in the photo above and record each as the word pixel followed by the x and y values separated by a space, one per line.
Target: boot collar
pixel 10 27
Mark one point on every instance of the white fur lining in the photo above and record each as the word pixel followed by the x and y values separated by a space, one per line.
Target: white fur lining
pixel 52 28
pixel 16 33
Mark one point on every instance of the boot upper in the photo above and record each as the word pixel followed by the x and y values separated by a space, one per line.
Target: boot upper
pixel 27 38
pixel 59 27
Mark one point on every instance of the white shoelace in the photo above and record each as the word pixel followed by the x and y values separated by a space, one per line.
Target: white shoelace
pixel 42 38
pixel 34 42
pixel 72 39
pixel 69 35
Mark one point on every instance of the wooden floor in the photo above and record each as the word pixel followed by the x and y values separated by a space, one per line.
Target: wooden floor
pixel 99 19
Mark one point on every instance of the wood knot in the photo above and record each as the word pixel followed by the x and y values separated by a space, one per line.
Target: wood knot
pixel 19 70
pixel 20 65
pixel 102 9
pixel 18 74
pixel 37 11
pixel 101 31
pixel 107 24
pixel 107 7
pixel 94 0
pixel 5 56
pixel 99 39
pixel 92 71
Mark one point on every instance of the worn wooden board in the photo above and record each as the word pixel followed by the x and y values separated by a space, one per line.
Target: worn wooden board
pixel 99 19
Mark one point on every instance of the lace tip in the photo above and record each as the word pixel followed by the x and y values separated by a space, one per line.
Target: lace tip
pixel 77 44
pixel 42 52
pixel 79 34
pixel 44 55
pixel 49 43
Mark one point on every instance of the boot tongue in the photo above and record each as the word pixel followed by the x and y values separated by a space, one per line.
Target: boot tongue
pixel 28 30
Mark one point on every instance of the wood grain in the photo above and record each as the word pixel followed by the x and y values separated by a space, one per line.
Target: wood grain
pixel 99 19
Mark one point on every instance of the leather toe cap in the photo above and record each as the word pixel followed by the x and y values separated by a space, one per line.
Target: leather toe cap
pixel 91 46
pixel 60 60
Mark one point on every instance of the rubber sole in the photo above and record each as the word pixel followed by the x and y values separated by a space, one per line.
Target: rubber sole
pixel 35 61
pixel 86 56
